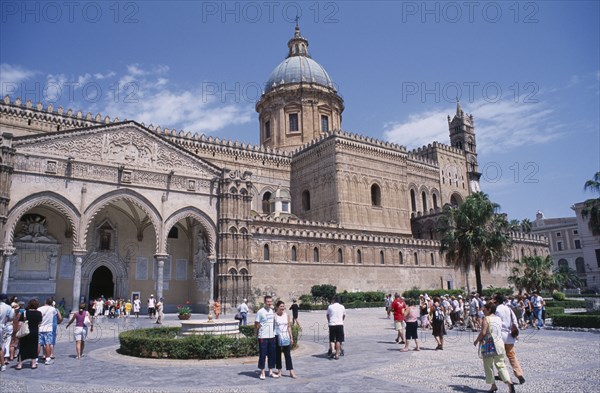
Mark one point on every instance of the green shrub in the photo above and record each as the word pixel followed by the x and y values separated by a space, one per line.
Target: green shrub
pixel 163 343
pixel 414 293
pixel 309 307
pixel 489 292
pixel 365 304
pixel 323 292
pixel 353 297
pixel 248 330
pixel 566 303
pixel 552 311
pixel 577 320
pixel 306 299
pixel 558 296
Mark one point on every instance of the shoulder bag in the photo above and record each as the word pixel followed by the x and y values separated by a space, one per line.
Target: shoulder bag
pixel 487 347
pixel 24 328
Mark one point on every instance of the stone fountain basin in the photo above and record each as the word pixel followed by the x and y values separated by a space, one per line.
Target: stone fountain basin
pixel 215 327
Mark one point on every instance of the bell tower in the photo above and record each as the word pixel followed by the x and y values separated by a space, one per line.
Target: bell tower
pixel 462 136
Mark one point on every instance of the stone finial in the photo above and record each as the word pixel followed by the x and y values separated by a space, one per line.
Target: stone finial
pixel 6 99
pixel 28 104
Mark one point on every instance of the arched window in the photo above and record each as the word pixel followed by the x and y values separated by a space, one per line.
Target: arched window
pixel 424 197
pixel 416 258
pixel 432 259
pixel 375 195
pixel 381 257
pixel 580 265
pixel 294 254
pixel 305 200
pixel 358 256
pixel 340 256
pixel 453 201
pixel 316 255
pixel 563 264
pixel 400 258
pixel 435 202
pixel 266 255
pixel 522 252
pixel 413 201
pixel 266 207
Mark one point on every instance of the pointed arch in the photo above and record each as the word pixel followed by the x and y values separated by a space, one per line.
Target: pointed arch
pixel 128 195
pixel 191 212
pixel 46 198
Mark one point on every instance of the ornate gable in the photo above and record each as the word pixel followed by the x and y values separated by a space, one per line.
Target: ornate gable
pixel 126 144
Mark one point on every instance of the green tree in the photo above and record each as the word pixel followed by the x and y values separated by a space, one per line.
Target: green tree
pixel 592 206
pixel 323 292
pixel 514 225
pixel 474 235
pixel 526 225
pixel 533 273
pixel 565 277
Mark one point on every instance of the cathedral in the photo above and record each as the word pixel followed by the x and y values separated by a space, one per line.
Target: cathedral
pixel 92 206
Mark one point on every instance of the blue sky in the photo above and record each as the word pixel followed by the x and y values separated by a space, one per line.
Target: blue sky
pixel 529 72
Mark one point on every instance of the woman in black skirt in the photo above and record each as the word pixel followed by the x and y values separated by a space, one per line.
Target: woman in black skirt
pixel 28 345
pixel 437 322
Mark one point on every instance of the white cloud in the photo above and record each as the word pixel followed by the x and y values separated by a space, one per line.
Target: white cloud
pixel 499 126
pixel 11 76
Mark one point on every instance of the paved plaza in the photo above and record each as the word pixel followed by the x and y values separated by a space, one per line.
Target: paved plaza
pixel 553 361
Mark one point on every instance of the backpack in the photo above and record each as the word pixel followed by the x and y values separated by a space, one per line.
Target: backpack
pixel 438 315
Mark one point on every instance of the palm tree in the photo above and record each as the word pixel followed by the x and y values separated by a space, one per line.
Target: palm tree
pixel 474 235
pixel 514 225
pixel 533 273
pixel 566 277
pixel 526 225
pixel 592 206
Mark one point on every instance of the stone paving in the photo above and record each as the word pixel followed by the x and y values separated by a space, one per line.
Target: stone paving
pixel 553 361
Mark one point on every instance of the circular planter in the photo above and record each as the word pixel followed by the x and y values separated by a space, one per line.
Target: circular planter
pixel 184 317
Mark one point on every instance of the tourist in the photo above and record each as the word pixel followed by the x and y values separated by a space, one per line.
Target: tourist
pixel 508 318
pixel 264 326
pixel 423 312
pixel 412 326
pixel 493 324
pixel 127 309
pixel 7 314
pixel 18 309
pixel 62 303
pixel 159 310
pixel 151 307
pixel 99 308
pixel 388 305
pixel 448 309
pixel 82 322
pixel 481 303
pixel 537 302
pixel 522 311
pixel 137 305
pixel 28 345
pixel 284 339
pixel 294 307
pixel 398 307
pixel 243 310
pixel 217 308
pixel 336 314
pixel 45 331
pixel 437 322
pixel 473 310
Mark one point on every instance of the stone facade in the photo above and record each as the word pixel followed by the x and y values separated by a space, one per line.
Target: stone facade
pixel 91 205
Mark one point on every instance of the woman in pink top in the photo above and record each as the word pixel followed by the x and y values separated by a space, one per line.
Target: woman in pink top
pixel 411 315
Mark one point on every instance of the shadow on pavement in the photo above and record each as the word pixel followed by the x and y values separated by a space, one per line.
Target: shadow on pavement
pixel 466 389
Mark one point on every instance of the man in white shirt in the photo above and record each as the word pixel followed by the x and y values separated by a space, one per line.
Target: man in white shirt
pixel 7 315
pixel 264 326
pixel 509 318
pixel 243 310
pixel 151 307
pixel 45 333
pixel 336 314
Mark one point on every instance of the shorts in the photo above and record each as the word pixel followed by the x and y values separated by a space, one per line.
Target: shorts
pixel 399 325
pixel 336 333
pixel 80 333
pixel 46 338
pixel 411 330
pixel 151 311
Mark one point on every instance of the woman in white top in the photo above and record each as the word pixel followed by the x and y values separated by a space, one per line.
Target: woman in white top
pixel 283 339
pixel 493 324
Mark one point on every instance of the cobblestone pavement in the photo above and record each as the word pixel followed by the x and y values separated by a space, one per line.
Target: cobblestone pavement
pixel 553 361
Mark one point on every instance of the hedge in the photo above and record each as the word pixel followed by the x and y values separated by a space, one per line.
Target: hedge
pixel 369 297
pixel 163 342
pixel 488 292
pixel 315 307
pixel 566 303
pixel 552 311
pixel 415 292
pixel 576 320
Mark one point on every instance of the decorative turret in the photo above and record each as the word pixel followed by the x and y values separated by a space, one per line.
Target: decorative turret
pixel 300 102
pixel 462 136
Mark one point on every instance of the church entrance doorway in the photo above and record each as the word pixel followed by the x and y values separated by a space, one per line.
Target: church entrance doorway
pixel 102 283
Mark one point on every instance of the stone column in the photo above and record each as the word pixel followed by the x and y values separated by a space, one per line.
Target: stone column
pixel 160 262
pixel 78 254
pixel 8 253
pixel 212 261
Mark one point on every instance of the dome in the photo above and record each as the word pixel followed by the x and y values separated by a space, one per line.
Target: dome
pixel 298 69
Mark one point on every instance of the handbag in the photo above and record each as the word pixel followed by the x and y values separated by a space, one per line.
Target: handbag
pixel 488 347
pixel 86 320
pixel 514 329
pixel 23 329
pixel 284 340
pixel 238 316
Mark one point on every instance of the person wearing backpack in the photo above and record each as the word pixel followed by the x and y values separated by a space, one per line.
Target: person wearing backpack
pixel 437 322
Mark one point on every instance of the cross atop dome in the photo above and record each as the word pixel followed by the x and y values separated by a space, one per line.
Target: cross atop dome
pixel 298 46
